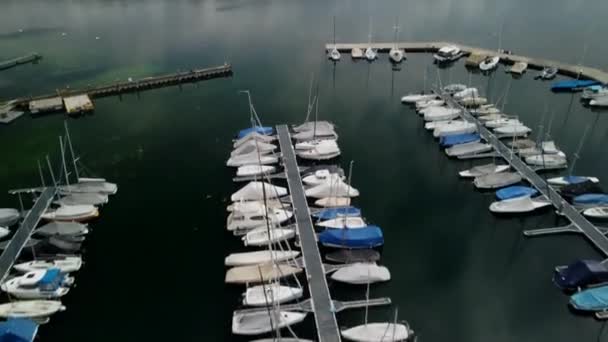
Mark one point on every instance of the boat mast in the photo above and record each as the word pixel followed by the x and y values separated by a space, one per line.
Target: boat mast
pixel 309 105
pixel 41 175
pixel 334 31
pixel 396 27
pixel 74 159
pixel 65 169
pixel 578 150
pixel 367 297
pixel 314 128
pixel 370 32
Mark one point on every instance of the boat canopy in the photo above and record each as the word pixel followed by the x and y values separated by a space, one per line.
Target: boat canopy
pixel 580 274
pixel 18 330
pixel 332 213
pixel 368 237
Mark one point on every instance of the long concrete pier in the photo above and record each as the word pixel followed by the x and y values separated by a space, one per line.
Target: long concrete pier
pixel 31 58
pixel 24 232
pixel 578 221
pixel 322 305
pixel 570 70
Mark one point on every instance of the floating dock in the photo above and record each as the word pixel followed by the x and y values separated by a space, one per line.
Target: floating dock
pixel 322 305
pixel 574 71
pixel 31 58
pixel 24 232
pixel 578 221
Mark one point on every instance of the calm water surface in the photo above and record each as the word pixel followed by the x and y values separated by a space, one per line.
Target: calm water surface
pixel 154 261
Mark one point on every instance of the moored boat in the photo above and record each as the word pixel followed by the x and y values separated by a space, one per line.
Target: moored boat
pixel 30 308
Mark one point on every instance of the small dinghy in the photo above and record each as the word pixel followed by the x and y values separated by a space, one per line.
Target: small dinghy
pixel 593 299
pixel 441 114
pixel 348 256
pixel 78 213
pixel 254 170
pixel 332 188
pixel 454 88
pixel 63 264
pixel 377 332
pixel 512 131
pixel 482 170
pixel 42 284
pixel 259 257
pixel 497 180
pixel 591 199
pixel 473 101
pixel 30 308
pixel 458 139
pixel 270 294
pixel 254 191
pixel 263 236
pixel 251 158
pixel 261 322
pixel 549 161
pixel 253 146
pixel 515 192
pixel 489 63
pixel 259 273
pixel 320 177
pixel 345 222
pixel 468 149
pixel 263 130
pixel 455 128
pixel 502 122
pixel 548 73
pixel 253 137
pixel 4 232
pixel 361 238
pixel 573 85
pixel 413 98
pixel 332 213
pixel 362 273
pixel 518 205
pixel 62 228
pixel 568 180
pixel 580 274
pixel 333 202
pixel 597 212
pixel 9 217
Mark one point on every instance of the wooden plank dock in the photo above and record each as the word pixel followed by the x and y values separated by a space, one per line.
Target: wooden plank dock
pixel 578 221
pixel 583 72
pixel 322 305
pixel 31 58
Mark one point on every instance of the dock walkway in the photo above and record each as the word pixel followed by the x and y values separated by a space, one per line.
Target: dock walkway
pixel 31 58
pixel 533 63
pixel 322 306
pixel 593 233
pixel 24 232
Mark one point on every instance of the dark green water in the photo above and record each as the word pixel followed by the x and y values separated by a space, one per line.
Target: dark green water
pixel 154 261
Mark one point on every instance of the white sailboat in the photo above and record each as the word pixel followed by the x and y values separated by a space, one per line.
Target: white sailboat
pixel 362 273
pixel 254 170
pixel 256 206
pixel 64 264
pixel 30 308
pixel 420 105
pixel 9 216
pixel 483 170
pixel 253 146
pixel 334 54
pixel 512 131
pixel 324 150
pixel 311 125
pixel 320 177
pixel 565 180
pixel 252 158
pixel 259 257
pixel 253 191
pixel 468 92
pixel 489 63
pixel 239 220
pixel 370 54
pixel 257 323
pixel 345 222
pixel 454 128
pixel 497 180
pixel 270 294
pixel 431 125
pixel 473 101
pixel 78 213
pixel 596 213
pixel 395 54
pixel 518 205
pixel 468 149
pixel 262 236
pixel 501 122
pixel 332 188
pixel 310 144
pixel 254 136
pixel 42 284
pixel 548 160
pixel 259 273
pixel 413 98
pixel 333 202
pixel 441 114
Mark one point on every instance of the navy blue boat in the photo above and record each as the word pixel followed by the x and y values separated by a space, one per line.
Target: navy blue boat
pixel 332 213
pixel 264 130
pixel 368 237
pixel 18 330
pixel 581 273
pixel 573 85
pixel 515 191
pixel 591 199
pixel 457 139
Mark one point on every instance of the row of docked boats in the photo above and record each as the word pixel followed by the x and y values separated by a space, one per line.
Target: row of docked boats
pixel 261 213
pixel 42 273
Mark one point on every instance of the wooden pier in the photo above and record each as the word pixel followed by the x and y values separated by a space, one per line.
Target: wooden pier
pixel 578 222
pixel 574 71
pixel 31 58
pixel 322 305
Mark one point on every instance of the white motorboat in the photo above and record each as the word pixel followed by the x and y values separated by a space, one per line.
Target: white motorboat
pixel 250 220
pixel 441 114
pixel 259 273
pixel 343 222
pixel 454 88
pixel 497 180
pixel 396 55
pixel 512 131
pixel 593 92
pixel 473 101
pixel 263 236
pixel 259 257
pixel 84 198
pixel 567 180
pixel 429 103
pixel 254 191
pixel 447 53
pixel 321 176
pixel 413 98
pixel 370 54
pixel 326 149
pixel 30 308
pixel 377 332
pixel 548 160
pixel 332 202
pixel 254 136
pixel 64 264
pixel 252 158
pixel 468 92
pixel 456 127
pixel 78 213
pixel 9 216
pixel 489 63
pixel 4 232
pixel 307 145
pixel 482 170
pixel 599 101
pixel 597 212
pixel 254 170
pixel 432 125
pixel 270 294
pixel 471 148
pixel 502 122
pixel 523 204
pixel 42 284
pixel 362 273
pixel 261 322
pixel 332 188
pixel 334 54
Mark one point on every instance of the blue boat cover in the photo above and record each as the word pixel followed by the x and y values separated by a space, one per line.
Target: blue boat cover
pixel 332 213
pixel 581 274
pixel 264 130
pixel 591 199
pixel 573 85
pixel 51 276
pixel 18 330
pixel 368 237
pixel 515 191
pixel 451 140
pixel 594 299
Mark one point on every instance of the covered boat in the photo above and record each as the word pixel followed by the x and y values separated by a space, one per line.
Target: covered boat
pixel 41 284
pixel 580 274
pixel 344 222
pixel 261 322
pixel 253 146
pixel 456 139
pixel 518 205
pixel 591 199
pixel 328 149
pixel 259 257
pixel 263 236
pixel 18 330
pixel 269 294
pixel 9 216
pixel 62 228
pixel 263 130
pixel 252 219
pixel 311 125
pixel 440 113
pixel 255 191
pixel 30 308
pixel 593 299
pixel 90 185
pixel 413 98
pixel 362 273
pixel 515 191
pixel 567 180
pixel 254 170
pixel 310 144
pixel 456 128
pixel 332 188
pixel 332 213
pixel 369 237
pixel 512 131
pixel 259 273
pixel 255 137
pixel 377 332
pixel 473 101
pixel 356 53
pixel 497 180
pixel 78 213
pixel 370 54
pixel 596 212
pixel 252 158
pixel 502 122
pixel 573 85
pixel 333 202
pixel 468 149
pixel 485 169
pixel 468 92
pixel 431 125
pixel 82 198
pixel 65 264
pixel 316 133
